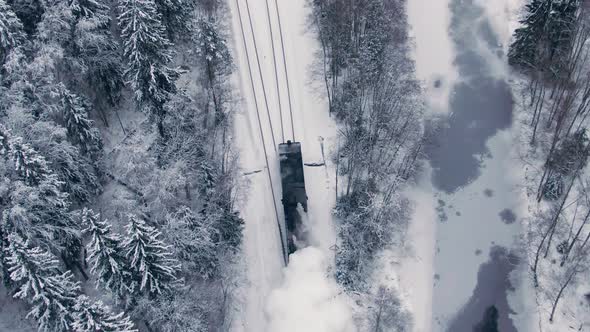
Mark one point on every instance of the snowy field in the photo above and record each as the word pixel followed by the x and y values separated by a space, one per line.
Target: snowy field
pixel 461 227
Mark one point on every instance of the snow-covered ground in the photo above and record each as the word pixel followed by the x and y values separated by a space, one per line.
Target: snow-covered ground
pixel 434 55
pixel 317 133
pixel 434 52
pixel 479 193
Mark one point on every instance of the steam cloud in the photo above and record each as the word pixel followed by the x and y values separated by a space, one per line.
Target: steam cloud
pixel 308 300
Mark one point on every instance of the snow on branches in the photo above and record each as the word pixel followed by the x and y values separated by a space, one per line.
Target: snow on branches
pixel 147 51
pixel 153 269
pixel 107 261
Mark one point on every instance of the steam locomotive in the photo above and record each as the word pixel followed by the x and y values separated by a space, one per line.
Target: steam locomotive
pixel 293 183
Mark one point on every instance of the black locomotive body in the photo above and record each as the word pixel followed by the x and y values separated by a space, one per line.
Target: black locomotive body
pixel 293 183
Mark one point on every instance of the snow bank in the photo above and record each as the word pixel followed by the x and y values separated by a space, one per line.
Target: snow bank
pixel 417 268
pixel 503 16
pixel 308 300
pixel 433 52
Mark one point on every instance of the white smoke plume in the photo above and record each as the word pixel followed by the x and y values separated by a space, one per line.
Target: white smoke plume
pixel 308 300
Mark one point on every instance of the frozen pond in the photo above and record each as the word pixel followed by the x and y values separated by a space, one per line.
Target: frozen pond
pixel 477 203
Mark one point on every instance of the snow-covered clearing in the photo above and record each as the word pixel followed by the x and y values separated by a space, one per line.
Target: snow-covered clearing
pixel 318 135
pixel 478 215
pixel 434 53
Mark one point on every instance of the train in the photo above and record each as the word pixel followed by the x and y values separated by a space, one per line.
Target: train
pixel 294 194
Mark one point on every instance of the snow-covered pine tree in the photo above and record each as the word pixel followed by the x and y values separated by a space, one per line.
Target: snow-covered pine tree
pixel 3 140
pixel 96 49
pixel 89 8
pixel 152 267
pixel 4 275
pixel 29 12
pixel 37 278
pixel 80 128
pixel 192 241
pixel 561 28
pixel 11 30
pixel 211 46
pixel 147 51
pixel 35 207
pixel 176 17
pixel 29 164
pixel 214 56
pixel 75 171
pixel 545 34
pixel 523 51
pixel 40 213
pixel 55 27
pixel 97 317
pixel 107 260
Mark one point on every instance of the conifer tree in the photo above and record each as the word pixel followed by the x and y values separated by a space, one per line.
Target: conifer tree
pixel 29 164
pixel 96 49
pixel 40 213
pixel 107 260
pixel 544 38
pixel 96 317
pixel 192 241
pixel 152 267
pixel 146 49
pixel 36 207
pixel 89 8
pixel 3 140
pixel 80 128
pixel 36 275
pixel 524 49
pixel 560 31
pixel 11 30
pixel 176 16
pixel 29 12
pixel 4 275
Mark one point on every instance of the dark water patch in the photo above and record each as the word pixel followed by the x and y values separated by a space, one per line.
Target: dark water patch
pixel 480 104
pixel 488 192
pixel 493 285
pixel 507 216
pixel 440 211
pixel 458 213
pixel 489 322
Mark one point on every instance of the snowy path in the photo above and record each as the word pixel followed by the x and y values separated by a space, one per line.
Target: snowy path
pixel 312 127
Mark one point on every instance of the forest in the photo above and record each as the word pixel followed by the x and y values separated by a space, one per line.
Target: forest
pixel 550 52
pixel 116 171
pixel 377 101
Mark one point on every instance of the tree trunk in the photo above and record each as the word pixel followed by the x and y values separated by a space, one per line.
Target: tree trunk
pixel 569 249
pixel 557 215
pixel 540 247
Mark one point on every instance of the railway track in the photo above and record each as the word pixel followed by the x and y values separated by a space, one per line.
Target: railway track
pixel 265 98
pixel 276 58
pixel 278 220
pixel 284 65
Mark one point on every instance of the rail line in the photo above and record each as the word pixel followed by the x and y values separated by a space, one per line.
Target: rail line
pixel 285 66
pixel 272 132
pixel 260 125
pixel 274 61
